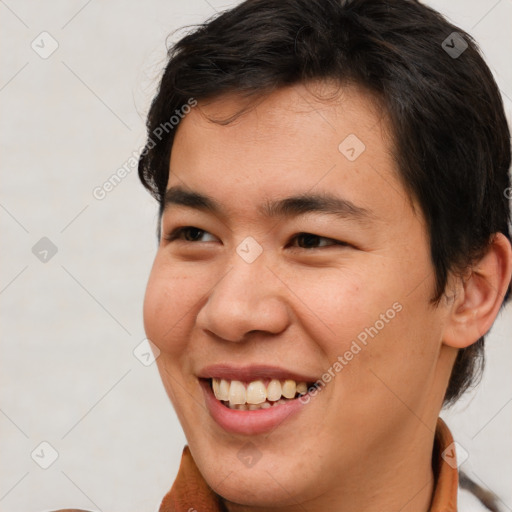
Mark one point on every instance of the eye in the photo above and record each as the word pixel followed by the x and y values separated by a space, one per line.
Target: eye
pixel 311 241
pixel 191 234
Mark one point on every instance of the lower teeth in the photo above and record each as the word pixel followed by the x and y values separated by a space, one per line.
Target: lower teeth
pixel 255 407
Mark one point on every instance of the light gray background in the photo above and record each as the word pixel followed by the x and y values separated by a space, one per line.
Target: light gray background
pixel 70 325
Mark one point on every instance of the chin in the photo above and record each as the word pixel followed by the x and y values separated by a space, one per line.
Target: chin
pixel 266 481
pixel 256 490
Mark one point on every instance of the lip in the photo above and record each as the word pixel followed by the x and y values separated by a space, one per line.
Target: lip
pixel 248 422
pixel 252 372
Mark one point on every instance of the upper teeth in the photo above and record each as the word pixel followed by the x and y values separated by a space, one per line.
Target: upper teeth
pixel 256 392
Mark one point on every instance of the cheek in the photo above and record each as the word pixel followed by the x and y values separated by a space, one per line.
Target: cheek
pixel 368 315
pixel 172 296
pixel 340 303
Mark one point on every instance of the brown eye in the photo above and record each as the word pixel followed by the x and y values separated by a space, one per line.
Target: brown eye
pixel 311 241
pixel 191 234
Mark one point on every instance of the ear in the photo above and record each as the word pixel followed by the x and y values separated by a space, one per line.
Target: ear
pixel 479 297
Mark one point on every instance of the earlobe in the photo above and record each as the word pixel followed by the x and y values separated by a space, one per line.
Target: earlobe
pixel 479 297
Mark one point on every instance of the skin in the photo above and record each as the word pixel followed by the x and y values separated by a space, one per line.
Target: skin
pixel 365 441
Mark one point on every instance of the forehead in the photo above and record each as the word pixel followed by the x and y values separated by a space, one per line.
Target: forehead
pixel 306 138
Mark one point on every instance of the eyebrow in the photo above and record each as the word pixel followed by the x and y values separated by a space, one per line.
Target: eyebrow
pixel 293 206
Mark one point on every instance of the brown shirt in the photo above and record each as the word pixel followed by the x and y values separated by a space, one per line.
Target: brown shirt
pixel 190 490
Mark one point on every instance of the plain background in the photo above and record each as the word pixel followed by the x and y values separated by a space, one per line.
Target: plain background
pixel 70 324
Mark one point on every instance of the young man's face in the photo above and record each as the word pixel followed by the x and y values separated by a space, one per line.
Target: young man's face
pixel 247 296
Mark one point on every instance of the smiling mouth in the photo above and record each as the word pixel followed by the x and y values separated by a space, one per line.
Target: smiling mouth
pixel 257 394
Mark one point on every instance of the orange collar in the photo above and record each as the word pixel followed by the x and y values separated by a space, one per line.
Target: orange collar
pixel 190 490
pixel 446 475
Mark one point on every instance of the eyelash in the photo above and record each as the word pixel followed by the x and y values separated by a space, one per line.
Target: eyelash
pixel 178 233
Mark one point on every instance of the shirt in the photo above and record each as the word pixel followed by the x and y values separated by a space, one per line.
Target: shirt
pixel 191 492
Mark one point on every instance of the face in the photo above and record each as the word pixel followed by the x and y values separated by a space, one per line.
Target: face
pixel 291 255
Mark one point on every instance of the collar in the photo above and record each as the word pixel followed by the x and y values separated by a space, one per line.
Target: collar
pixel 446 475
pixel 191 492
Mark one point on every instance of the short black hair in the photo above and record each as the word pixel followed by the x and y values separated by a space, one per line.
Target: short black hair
pixel 450 135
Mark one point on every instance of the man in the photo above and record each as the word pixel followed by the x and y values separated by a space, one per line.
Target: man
pixel 334 246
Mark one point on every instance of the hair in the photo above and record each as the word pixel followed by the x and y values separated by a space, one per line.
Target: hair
pixel 451 141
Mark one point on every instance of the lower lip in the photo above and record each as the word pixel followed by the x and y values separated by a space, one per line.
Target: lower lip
pixel 248 422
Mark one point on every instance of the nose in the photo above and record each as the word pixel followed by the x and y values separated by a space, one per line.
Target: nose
pixel 249 298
